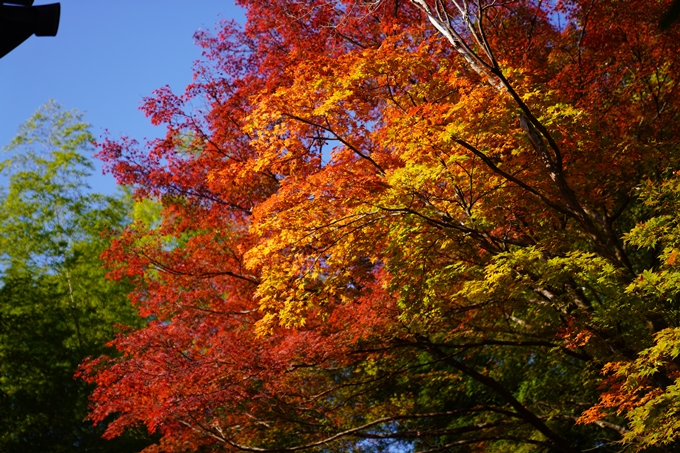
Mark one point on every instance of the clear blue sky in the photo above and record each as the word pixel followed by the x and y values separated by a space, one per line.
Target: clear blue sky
pixel 107 56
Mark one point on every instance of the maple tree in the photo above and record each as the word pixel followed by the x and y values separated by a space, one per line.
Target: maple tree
pixel 422 225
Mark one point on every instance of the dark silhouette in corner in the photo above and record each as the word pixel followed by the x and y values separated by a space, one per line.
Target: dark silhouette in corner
pixel 19 19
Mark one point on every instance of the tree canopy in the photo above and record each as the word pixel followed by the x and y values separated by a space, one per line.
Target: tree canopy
pixel 421 225
pixel 56 307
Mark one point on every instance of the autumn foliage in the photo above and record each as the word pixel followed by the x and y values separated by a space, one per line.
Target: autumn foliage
pixel 421 225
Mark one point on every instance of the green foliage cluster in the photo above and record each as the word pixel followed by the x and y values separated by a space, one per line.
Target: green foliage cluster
pixel 56 306
pixel 653 413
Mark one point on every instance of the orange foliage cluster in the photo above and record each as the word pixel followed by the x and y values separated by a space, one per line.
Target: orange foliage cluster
pixel 394 222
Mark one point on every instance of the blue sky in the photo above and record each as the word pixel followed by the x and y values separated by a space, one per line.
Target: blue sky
pixel 106 57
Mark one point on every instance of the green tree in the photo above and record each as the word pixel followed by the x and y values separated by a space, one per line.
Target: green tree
pixel 56 306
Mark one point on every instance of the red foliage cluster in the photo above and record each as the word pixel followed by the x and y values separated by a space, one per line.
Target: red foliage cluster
pixel 341 187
